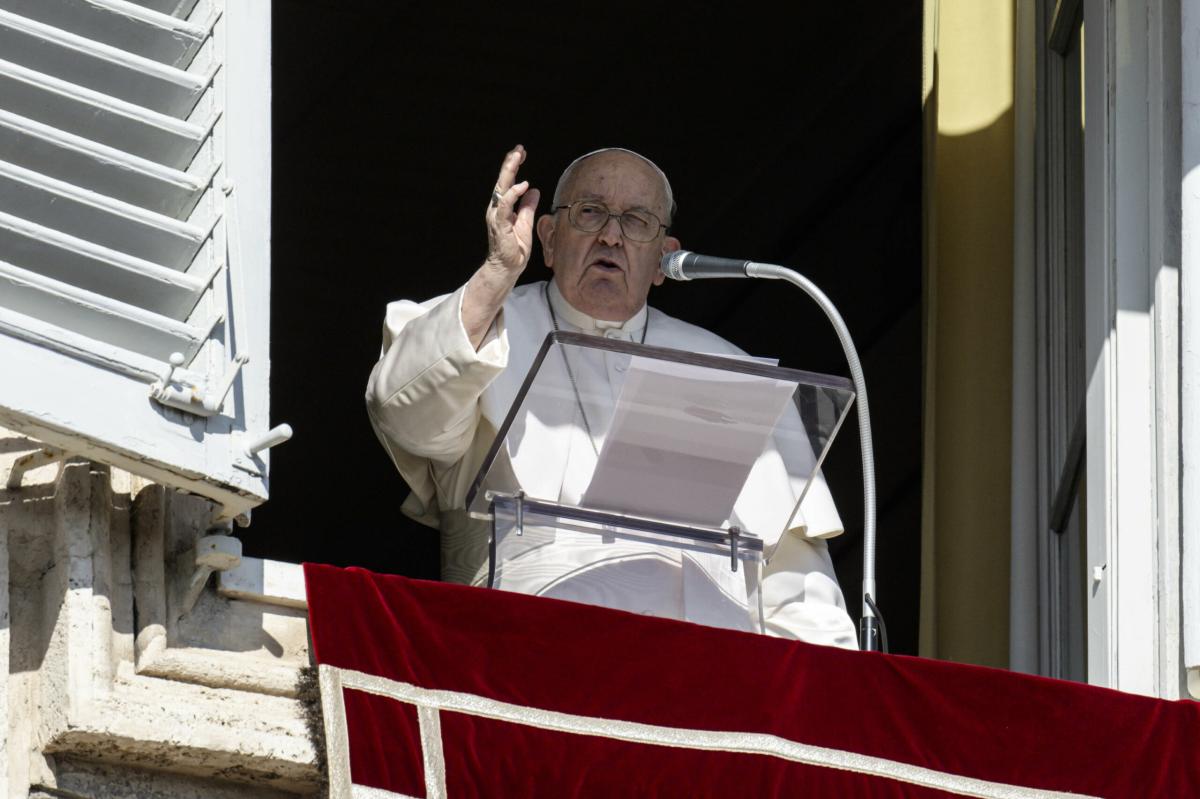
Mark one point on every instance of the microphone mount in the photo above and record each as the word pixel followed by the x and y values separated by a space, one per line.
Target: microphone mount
pixel 684 265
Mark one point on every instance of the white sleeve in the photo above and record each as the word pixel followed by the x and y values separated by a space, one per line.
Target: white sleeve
pixel 801 597
pixel 423 394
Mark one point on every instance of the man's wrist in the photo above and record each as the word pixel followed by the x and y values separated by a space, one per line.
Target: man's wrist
pixel 496 267
pixel 483 298
pixel 496 279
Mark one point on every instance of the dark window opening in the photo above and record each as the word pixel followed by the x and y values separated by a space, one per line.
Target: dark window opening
pixel 792 137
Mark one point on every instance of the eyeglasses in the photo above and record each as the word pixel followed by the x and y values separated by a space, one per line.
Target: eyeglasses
pixel 590 216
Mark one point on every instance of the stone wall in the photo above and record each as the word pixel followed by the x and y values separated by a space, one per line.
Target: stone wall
pixel 121 681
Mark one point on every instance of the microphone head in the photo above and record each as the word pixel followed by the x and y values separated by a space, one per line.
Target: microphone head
pixel 672 265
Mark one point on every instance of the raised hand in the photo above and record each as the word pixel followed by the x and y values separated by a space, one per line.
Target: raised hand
pixel 509 218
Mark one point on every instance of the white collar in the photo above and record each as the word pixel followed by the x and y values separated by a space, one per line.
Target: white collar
pixel 578 319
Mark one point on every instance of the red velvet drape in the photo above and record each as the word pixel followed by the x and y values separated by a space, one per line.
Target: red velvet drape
pixel 539 653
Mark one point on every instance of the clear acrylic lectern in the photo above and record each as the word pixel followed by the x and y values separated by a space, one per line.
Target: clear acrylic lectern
pixel 650 479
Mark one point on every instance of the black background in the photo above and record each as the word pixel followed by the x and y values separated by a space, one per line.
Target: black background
pixel 790 137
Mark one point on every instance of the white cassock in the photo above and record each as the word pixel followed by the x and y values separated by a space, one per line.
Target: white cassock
pixel 436 404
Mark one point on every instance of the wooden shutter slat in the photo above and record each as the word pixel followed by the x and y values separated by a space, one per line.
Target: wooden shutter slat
pixel 84 313
pixel 176 8
pixel 108 120
pixel 100 168
pixel 110 223
pixel 127 26
pixel 98 269
pixel 100 67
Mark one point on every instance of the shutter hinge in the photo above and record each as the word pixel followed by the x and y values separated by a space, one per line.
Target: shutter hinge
pixel 194 399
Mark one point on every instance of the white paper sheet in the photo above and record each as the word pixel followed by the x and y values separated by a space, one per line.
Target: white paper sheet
pixel 683 440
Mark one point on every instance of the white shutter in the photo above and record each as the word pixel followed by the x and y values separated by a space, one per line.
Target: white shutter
pixel 134 235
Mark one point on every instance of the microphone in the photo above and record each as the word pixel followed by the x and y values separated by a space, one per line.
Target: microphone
pixel 684 265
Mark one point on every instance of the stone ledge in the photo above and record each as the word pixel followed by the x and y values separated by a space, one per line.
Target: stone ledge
pixel 237 671
pixel 188 729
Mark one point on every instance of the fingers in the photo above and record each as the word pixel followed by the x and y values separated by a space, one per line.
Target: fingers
pixel 508 169
pixel 527 209
pixel 510 216
pixel 504 208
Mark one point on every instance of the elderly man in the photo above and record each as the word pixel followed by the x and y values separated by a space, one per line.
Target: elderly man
pixel 451 367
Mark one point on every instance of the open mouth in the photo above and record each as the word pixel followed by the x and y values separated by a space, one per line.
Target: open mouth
pixel 606 265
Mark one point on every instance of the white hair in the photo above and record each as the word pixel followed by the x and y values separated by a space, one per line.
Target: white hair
pixel 571 167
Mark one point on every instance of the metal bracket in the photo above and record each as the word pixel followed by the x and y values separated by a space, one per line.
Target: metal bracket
pixel 212 553
pixel 735 533
pixel 519 511
pixel 192 398
pixel 34 460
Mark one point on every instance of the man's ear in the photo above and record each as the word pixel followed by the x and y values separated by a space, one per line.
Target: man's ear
pixel 545 231
pixel 670 244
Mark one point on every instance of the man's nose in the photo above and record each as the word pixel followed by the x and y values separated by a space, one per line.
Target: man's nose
pixel 611 233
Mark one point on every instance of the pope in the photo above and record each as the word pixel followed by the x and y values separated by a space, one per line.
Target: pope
pixel 451 367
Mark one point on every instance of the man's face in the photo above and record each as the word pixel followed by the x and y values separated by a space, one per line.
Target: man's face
pixel 605 274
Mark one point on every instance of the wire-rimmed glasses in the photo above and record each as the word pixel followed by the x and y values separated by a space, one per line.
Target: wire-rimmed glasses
pixel 590 216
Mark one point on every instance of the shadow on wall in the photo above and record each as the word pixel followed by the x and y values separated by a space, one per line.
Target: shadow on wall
pixel 968 403
pixel 74 532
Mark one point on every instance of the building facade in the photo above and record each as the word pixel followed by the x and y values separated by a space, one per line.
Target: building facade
pixel 1062 239
pixel 130 672
pixel 1061 230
